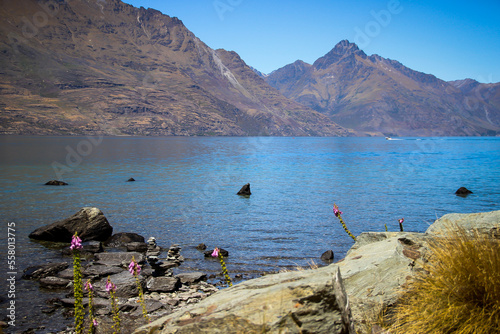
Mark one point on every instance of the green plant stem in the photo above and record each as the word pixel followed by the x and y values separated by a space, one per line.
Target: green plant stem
pixel 78 292
pixel 141 297
pixel 345 228
pixel 91 312
pixel 116 313
pixel 224 270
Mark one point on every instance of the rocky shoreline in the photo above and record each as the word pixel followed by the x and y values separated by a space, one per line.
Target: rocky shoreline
pixel 343 297
pixel 105 255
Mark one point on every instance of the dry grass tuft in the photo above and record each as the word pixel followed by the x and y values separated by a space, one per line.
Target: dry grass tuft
pixel 459 293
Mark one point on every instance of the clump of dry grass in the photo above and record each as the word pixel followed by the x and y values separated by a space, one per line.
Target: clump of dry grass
pixel 459 293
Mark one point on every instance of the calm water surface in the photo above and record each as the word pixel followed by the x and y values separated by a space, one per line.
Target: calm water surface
pixel 185 193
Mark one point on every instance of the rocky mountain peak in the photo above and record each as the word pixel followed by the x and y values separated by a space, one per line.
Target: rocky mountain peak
pixel 342 50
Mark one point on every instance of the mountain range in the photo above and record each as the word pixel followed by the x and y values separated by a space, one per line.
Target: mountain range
pixel 371 94
pixel 105 67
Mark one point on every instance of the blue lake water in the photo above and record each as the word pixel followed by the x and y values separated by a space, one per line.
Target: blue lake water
pixel 185 192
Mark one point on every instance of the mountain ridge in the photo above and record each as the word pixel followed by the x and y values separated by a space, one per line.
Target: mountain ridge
pixel 380 96
pixel 107 67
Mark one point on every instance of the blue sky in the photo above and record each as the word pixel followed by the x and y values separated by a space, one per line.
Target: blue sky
pixel 450 39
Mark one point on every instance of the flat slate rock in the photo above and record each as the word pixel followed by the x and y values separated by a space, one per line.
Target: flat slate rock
pixel 118 258
pixel 190 278
pixel 52 282
pixel 163 284
pixel 102 271
pixel 44 270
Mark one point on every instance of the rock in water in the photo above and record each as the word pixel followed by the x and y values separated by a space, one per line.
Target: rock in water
pixel 462 191
pixel 327 256
pixel 41 271
pixel 223 252
pixel 131 179
pixel 245 190
pixel 56 183
pixel 89 223
pixel 123 238
pixel 201 247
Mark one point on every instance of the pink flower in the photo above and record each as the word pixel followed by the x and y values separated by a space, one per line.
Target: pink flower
pixel 336 210
pixel 76 242
pixel 94 322
pixel 88 286
pixel 134 268
pixel 215 253
pixel 110 287
pixel 131 267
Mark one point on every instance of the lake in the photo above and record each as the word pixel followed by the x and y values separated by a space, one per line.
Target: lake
pixel 185 193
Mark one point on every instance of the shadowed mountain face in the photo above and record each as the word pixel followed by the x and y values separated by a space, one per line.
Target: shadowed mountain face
pixel 105 67
pixel 374 95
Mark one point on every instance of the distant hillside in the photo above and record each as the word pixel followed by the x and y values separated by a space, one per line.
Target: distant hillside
pixel 374 95
pixel 91 67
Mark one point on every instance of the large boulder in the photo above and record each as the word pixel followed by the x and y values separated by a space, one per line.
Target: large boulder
pixel 375 268
pixel 483 222
pixel 311 301
pixel 89 223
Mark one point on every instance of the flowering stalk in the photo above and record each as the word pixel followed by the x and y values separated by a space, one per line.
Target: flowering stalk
pixel 111 288
pixel 217 253
pixel 92 320
pixel 76 245
pixel 135 270
pixel 337 214
pixel 401 224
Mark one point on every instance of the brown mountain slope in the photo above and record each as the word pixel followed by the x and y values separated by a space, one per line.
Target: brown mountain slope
pixel 89 67
pixel 375 95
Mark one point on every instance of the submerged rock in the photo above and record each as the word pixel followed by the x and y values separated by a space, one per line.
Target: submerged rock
pixel 89 223
pixel 201 247
pixel 131 179
pixel 56 183
pixel 462 191
pixel 245 190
